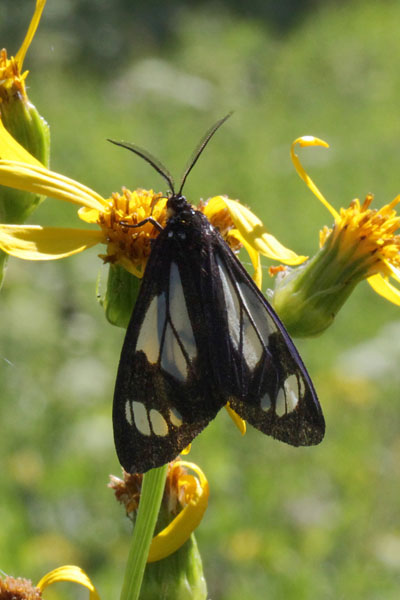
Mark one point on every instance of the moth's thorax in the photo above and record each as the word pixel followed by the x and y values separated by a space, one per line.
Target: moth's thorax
pixel 179 211
pixel 188 226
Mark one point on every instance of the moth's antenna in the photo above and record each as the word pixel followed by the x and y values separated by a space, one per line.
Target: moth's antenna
pixel 154 162
pixel 203 143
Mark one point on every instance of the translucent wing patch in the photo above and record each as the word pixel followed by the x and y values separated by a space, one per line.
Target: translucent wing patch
pixel 166 335
pixel 152 329
pixel 242 332
pixel 178 348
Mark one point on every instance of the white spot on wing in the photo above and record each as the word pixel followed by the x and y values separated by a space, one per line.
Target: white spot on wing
pixel 172 359
pixel 263 326
pixel 252 348
pixel 128 413
pixel 302 387
pixel 151 330
pixel 280 405
pixel 175 417
pixel 232 304
pixel 291 389
pixel 265 402
pixel 262 319
pixel 179 313
pixel 140 417
pixel 158 423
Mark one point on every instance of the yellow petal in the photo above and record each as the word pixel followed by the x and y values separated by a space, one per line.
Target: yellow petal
pixel 20 56
pixel 256 262
pixel 254 257
pixel 69 573
pixel 255 234
pixel 89 215
pixel 32 242
pixel 186 450
pixel 39 180
pixel 382 287
pixel 394 271
pixel 11 150
pixel 239 422
pixel 214 206
pixel 180 529
pixel 304 141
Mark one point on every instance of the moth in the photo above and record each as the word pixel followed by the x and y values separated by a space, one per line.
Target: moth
pixel 201 335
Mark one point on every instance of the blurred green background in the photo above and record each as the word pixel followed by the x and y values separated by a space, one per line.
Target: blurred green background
pixel 282 523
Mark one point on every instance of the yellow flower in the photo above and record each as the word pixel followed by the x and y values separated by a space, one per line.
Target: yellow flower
pixel 22 120
pixel 22 589
pixel 192 494
pixel 361 244
pixel 12 77
pixel 364 234
pixel 185 499
pixel 127 247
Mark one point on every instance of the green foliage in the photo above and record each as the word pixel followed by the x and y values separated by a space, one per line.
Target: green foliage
pixel 282 523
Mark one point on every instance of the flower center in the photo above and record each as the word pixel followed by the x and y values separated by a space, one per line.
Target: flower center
pixel 11 80
pixel 368 235
pixel 128 245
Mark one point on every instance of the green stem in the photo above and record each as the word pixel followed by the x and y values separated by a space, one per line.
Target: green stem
pixel 149 506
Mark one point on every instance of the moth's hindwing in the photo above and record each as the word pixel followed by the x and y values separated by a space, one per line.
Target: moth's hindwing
pixel 202 334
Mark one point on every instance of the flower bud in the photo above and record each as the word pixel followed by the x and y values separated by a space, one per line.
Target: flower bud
pixel 120 296
pixel 23 122
pixel 179 576
pixel 307 298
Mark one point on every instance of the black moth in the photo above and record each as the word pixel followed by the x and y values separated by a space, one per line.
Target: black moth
pixel 201 335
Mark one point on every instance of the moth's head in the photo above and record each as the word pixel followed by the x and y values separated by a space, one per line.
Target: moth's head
pixel 176 202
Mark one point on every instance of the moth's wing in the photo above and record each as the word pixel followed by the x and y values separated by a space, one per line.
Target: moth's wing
pixel 163 395
pixel 272 390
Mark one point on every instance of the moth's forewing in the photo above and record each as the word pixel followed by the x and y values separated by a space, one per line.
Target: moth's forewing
pixel 275 393
pixel 166 390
